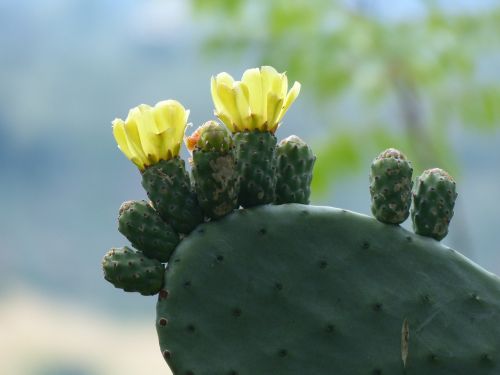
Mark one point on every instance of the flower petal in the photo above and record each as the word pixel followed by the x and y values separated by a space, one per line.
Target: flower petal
pixel 290 98
pixel 274 104
pixel 227 97
pixel 241 94
pixel 252 79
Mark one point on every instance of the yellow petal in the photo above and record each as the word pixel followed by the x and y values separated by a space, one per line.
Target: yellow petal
pixel 226 120
pixel 143 119
pixel 290 98
pixel 225 79
pixel 274 104
pixel 219 107
pixel 173 118
pixel 133 137
pixel 227 97
pixel 121 140
pixel 241 94
pixel 252 79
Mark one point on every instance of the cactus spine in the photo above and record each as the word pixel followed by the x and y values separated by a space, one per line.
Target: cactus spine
pixel 433 202
pixel 390 187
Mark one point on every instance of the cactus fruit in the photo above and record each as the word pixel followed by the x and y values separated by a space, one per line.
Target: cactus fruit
pixel 132 271
pixel 297 289
pixel 295 162
pixel 214 169
pixel 390 187
pixel 143 227
pixel 256 155
pixel 433 201
pixel 169 189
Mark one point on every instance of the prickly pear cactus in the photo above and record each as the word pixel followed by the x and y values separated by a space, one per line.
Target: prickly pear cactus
pixel 296 289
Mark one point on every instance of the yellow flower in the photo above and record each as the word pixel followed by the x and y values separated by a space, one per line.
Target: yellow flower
pixel 150 134
pixel 257 102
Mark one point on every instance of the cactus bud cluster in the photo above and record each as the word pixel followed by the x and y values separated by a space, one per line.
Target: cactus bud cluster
pixel 391 195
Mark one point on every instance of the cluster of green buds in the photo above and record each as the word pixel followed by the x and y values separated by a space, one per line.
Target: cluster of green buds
pixel 234 164
pixel 431 202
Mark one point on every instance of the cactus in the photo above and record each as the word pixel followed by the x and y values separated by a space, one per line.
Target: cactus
pixel 390 187
pixel 297 289
pixel 252 109
pixel 433 202
pixel 151 138
pixel 132 271
pixel 143 227
pixel 295 161
pixel 214 169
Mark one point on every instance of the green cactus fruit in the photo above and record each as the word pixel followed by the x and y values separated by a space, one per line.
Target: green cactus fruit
pixel 295 162
pixel 214 169
pixel 143 227
pixel 295 289
pixel 433 201
pixel 169 189
pixel 132 271
pixel 390 187
pixel 256 163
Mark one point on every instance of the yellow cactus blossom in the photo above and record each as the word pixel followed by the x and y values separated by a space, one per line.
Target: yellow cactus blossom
pixel 150 134
pixel 257 102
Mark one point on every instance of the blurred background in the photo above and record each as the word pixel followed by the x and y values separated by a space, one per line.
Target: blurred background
pixel 421 76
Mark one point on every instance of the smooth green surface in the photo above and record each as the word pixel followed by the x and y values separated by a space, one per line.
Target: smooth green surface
pixel 295 163
pixel 169 188
pixel 296 289
pixel 256 156
pixel 132 271
pixel 216 182
pixel 390 187
pixel 146 231
pixel 433 203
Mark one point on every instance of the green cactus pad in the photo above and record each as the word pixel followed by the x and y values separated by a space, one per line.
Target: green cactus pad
pixel 295 162
pixel 214 170
pixel 132 271
pixel 169 189
pixel 143 227
pixel 390 187
pixel 306 290
pixel 433 201
pixel 256 158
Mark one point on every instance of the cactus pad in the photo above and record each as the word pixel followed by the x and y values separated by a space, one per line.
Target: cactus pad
pixel 214 170
pixel 433 202
pixel 132 271
pixel 256 155
pixel 390 187
pixel 143 227
pixel 296 289
pixel 169 188
pixel 295 162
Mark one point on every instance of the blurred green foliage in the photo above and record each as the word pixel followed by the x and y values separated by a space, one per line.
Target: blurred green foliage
pixel 403 82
